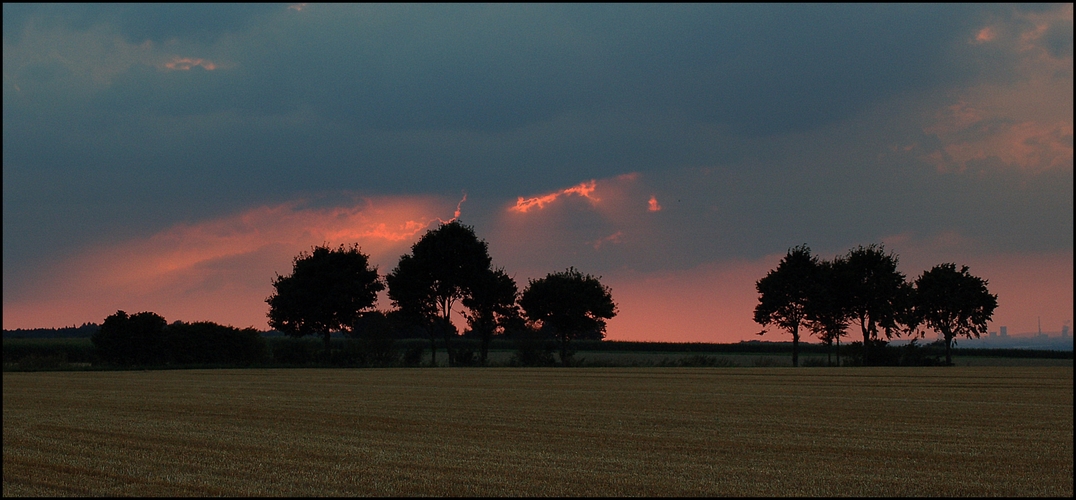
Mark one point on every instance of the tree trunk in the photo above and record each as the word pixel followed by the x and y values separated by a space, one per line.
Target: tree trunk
pixel 866 341
pixel 448 345
pixel 795 346
pixel 838 350
pixel 948 344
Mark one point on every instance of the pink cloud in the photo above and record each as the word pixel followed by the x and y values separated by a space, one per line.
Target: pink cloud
pixel 1025 122
pixel 584 189
pixel 219 270
pixel 612 238
pixel 186 63
pixel 653 205
pixel 986 34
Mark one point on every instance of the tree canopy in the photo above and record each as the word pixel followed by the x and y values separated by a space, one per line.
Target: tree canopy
pixel 131 340
pixel 826 315
pixel 446 265
pixel 569 305
pixel 786 292
pixel 327 292
pixel 953 303
pixel 492 305
pixel 876 296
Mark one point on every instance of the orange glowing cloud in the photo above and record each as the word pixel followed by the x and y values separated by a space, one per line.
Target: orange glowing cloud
pixel 186 63
pixel 585 189
pixel 986 34
pixel 218 270
pixel 653 205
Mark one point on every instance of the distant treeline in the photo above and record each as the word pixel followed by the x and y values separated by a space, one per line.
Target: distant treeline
pixel 278 351
pixel 85 331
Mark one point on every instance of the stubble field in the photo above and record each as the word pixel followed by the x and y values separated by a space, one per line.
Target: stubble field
pixel 542 431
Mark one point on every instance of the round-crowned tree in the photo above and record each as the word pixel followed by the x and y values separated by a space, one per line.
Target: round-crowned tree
pixel 131 340
pixel 326 292
pixel 446 265
pixel 568 305
pixel 953 303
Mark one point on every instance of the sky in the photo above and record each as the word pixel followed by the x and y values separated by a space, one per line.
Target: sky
pixel 176 158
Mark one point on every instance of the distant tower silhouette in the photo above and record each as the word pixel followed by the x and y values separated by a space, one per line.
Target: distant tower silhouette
pixel 1004 331
pixel 1064 331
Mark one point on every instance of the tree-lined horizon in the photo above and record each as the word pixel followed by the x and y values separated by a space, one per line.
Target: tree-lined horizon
pixel 449 270
pixel 448 266
pixel 863 287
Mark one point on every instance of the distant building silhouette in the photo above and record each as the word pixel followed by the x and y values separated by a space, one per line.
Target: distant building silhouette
pixel 1065 331
pixel 1004 331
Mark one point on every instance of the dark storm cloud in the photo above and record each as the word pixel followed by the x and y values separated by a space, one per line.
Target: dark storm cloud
pixel 137 22
pixel 757 127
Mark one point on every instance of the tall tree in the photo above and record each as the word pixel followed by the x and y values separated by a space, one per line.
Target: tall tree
pixel 493 307
pixel 568 305
pixel 326 292
pixel 953 303
pixel 444 266
pixel 875 297
pixel 826 315
pixel 785 293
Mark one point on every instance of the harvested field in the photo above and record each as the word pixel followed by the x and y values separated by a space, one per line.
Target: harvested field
pixel 552 431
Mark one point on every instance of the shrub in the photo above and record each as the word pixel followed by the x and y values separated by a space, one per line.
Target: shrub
pixel 466 357
pixel 291 351
pixel 413 355
pixel 534 350
pixel 34 362
pixel 207 342
pixel 698 360
pixel 814 361
pixel 766 361
pixel 131 340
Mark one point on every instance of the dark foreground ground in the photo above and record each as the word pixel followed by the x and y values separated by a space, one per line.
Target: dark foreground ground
pixel 541 431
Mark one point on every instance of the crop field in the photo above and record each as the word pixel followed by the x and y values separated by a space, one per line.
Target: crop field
pixel 541 431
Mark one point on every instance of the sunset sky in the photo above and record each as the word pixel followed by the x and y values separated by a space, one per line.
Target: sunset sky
pixel 175 158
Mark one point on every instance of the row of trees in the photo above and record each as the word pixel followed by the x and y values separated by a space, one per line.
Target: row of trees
pixel 864 288
pixel 145 339
pixel 335 290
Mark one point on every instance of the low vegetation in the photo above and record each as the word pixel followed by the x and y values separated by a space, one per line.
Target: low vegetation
pixel 948 431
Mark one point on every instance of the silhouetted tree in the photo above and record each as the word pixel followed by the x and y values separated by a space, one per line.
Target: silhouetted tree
pixel 131 340
pixel 953 303
pixel 208 342
pixel 826 315
pixel 875 296
pixel 373 331
pixel 416 305
pixel 785 292
pixel 568 305
pixel 444 266
pixel 492 305
pixel 326 292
